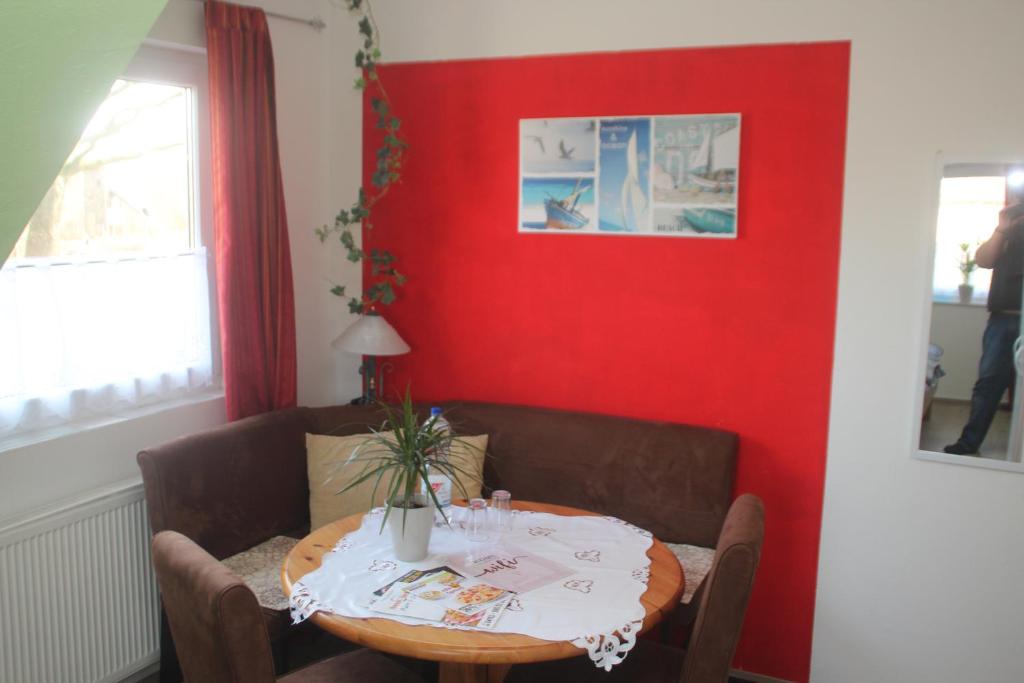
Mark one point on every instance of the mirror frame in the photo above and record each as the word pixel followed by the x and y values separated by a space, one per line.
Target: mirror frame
pixel 942 160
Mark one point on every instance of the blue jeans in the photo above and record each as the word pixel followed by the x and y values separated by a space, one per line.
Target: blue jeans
pixel 995 375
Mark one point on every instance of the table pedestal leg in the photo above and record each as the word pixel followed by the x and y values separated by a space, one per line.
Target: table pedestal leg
pixel 457 672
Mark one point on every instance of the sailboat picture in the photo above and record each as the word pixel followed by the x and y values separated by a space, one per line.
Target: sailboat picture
pixel 557 204
pixel 624 173
pixel 670 176
pixel 696 159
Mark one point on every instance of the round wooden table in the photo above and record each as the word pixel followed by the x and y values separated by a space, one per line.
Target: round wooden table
pixel 468 656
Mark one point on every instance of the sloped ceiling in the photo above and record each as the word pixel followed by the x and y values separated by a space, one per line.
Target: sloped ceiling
pixel 58 59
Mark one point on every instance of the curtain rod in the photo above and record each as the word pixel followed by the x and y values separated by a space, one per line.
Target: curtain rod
pixel 315 23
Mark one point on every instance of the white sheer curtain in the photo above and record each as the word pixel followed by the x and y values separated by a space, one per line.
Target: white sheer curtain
pixel 82 341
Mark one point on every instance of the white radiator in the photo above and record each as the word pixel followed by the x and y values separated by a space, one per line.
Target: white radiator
pixel 78 599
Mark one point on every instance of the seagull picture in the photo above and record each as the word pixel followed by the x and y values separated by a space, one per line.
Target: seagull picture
pixel 539 140
pixel 564 153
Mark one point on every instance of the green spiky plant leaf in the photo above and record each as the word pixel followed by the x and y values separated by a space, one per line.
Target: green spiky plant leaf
pixel 407 449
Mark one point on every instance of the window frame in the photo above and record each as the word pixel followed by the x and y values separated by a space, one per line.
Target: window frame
pixel 188 68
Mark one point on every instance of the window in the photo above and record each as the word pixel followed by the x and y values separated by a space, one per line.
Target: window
pixel 969 207
pixel 105 298
pixel 127 188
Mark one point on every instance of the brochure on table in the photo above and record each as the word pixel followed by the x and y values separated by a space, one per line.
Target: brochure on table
pixel 514 569
pixel 474 595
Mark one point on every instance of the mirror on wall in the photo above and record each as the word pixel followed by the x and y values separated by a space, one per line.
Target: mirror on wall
pixel 971 403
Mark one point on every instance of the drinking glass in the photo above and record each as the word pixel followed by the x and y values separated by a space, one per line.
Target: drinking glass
pixel 476 520
pixel 501 511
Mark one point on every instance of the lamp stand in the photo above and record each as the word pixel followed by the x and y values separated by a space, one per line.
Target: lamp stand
pixel 373 380
pixel 369 372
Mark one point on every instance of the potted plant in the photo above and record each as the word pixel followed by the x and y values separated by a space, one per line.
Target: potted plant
pixel 398 457
pixel 967 267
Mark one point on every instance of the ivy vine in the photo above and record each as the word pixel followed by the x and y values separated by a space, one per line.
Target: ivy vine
pixel 390 153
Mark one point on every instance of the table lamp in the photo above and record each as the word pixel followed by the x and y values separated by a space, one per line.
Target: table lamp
pixel 371 336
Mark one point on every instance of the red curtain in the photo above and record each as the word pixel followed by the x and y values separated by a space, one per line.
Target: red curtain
pixel 254 272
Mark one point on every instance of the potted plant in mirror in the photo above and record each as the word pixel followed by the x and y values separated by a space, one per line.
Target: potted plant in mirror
pixel 967 267
pixel 397 458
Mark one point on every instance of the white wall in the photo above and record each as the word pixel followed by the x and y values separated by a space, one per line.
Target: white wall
pixel 920 562
pixel 318 125
pixel 957 328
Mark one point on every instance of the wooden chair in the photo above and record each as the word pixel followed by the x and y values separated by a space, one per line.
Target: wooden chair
pixel 723 604
pixel 219 629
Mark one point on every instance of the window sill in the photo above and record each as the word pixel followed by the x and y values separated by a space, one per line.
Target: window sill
pixel 953 302
pixel 43 435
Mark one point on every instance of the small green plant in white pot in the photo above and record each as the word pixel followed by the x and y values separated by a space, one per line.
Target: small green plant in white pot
pixel 967 267
pixel 397 458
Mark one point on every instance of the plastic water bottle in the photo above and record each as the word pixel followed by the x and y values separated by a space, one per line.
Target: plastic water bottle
pixel 437 418
pixel 439 482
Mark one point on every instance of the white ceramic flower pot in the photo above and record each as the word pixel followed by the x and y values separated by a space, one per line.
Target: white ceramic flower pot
pixel 411 538
pixel 966 293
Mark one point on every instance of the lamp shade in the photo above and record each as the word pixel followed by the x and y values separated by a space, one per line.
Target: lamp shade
pixel 371 335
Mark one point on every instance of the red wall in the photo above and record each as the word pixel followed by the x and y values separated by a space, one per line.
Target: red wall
pixel 734 334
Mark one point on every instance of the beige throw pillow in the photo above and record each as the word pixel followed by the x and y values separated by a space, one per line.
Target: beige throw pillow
pixel 325 455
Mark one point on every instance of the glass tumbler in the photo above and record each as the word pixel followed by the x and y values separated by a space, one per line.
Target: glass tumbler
pixel 501 511
pixel 476 520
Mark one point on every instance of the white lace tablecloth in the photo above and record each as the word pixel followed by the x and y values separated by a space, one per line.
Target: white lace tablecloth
pixel 596 608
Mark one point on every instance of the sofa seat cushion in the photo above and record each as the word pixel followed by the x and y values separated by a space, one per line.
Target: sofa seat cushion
pixel 260 568
pixel 329 472
pixel 696 563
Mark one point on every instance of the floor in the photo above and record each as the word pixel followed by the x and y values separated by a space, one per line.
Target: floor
pixel 948 418
pixel 156 677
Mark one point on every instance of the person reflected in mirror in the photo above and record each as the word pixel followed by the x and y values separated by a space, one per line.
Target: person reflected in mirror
pixel 1004 254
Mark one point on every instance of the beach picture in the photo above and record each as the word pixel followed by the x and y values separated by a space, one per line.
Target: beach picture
pixel 564 204
pixel 696 159
pixel 695 221
pixel 624 204
pixel 666 176
pixel 557 146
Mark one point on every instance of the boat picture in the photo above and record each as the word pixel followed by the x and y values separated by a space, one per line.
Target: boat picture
pixel 713 168
pixel 674 175
pixel 633 202
pixel 624 175
pixel 715 221
pixel 557 204
pixel 562 213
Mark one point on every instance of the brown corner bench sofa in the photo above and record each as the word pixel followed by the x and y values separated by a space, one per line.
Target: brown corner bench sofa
pixel 244 486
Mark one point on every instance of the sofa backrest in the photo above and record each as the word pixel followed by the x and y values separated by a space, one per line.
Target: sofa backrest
pixel 673 480
pixel 234 486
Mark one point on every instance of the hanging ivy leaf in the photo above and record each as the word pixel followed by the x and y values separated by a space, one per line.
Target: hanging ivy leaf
pixel 389 156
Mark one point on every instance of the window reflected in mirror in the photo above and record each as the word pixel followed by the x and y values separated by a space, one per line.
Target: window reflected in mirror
pixel 972 378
